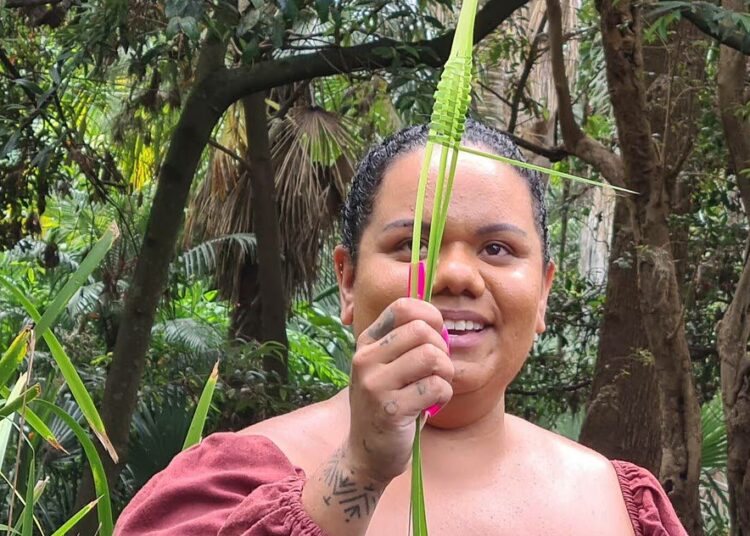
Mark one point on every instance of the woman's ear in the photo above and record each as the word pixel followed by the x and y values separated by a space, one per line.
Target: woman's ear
pixel 344 266
pixel 547 278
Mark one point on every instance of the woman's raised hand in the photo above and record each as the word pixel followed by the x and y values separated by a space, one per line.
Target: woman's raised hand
pixel 400 368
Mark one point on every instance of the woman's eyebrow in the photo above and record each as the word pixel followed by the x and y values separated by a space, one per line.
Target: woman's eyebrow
pixel 406 223
pixel 500 228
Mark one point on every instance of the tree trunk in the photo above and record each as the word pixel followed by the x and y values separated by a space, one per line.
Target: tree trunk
pixel 198 118
pixel 659 296
pixel 622 421
pixel 732 341
pixel 733 332
pixel 266 227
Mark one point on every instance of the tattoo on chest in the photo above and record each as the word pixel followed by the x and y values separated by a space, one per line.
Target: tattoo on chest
pixel 357 499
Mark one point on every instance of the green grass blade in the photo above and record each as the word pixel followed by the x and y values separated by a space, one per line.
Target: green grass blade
pixel 540 169
pixel 27 516
pixel 6 425
pixel 78 278
pixel 195 432
pixel 418 512
pixel 70 523
pixel 38 490
pixel 104 506
pixel 68 370
pixel 446 129
pixel 33 420
pixel 14 355
pixel 14 404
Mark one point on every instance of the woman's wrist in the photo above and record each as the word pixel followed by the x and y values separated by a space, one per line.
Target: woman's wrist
pixel 341 497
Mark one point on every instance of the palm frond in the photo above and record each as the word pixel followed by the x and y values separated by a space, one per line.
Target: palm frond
pixel 313 152
pixel 714 448
pixel 85 299
pixel 203 260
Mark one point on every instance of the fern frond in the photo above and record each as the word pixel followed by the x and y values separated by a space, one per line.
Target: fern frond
pixel 189 334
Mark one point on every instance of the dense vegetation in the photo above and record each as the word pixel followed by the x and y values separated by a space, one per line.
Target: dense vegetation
pixel 219 139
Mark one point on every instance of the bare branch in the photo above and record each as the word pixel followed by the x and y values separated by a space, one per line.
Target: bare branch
pixel 235 83
pixel 530 61
pixel 576 141
pixel 553 154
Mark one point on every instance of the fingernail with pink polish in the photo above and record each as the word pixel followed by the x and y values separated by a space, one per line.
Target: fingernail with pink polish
pixel 446 338
pixel 433 410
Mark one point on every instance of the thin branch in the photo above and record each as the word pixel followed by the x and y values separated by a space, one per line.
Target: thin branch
pixel 229 152
pixel 487 88
pixel 553 154
pixel 576 141
pixel 528 66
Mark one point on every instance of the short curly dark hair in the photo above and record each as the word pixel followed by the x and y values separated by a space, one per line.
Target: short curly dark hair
pixel 359 203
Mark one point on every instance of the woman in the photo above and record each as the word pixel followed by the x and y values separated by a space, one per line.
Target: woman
pixel 341 467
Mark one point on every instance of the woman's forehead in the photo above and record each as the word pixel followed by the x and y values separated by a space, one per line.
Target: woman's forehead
pixel 483 189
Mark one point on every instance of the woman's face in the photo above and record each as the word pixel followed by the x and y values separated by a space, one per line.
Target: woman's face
pixel 490 272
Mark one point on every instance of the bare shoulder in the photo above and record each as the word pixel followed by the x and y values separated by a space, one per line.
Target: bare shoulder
pixel 554 450
pixel 307 435
pixel 581 479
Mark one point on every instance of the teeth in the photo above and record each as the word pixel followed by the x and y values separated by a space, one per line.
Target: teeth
pixel 463 325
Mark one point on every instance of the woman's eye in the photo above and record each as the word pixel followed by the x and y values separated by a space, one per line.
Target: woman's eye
pixel 495 249
pixel 406 245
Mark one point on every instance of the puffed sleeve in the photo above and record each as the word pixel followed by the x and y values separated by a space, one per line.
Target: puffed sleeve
pixel 648 505
pixel 228 485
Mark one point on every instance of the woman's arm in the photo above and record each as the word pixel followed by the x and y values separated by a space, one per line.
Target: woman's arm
pixel 339 498
pixel 401 367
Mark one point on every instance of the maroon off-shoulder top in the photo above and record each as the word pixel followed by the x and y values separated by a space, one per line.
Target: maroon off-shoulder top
pixel 242 485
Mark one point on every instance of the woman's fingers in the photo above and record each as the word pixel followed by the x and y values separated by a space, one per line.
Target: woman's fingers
pixel 400 341
pixel 413 399
pixel 416 364
pixel 400 312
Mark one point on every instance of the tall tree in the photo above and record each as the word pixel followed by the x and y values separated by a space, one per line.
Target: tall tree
pixel 734 329
pixel 625 389
pixel 639 168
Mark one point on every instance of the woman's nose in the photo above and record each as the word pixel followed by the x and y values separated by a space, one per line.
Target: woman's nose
pixel 458 272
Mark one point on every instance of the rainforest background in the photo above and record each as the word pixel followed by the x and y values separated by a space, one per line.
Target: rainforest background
pixel 211 144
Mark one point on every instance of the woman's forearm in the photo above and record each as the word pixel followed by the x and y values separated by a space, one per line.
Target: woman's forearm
pixel 340 498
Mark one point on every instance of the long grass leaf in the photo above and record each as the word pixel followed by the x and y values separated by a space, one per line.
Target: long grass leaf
pixel 14 404
pixel 33 420
pixel 68 370
pixel 70 523
pixel 38 490
pixel 27 516
pixel 104 506
pixel 6 425
pixel 78 278
pixel 446 129
pixel 540 169
pixel 195 432
pixel 14 355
